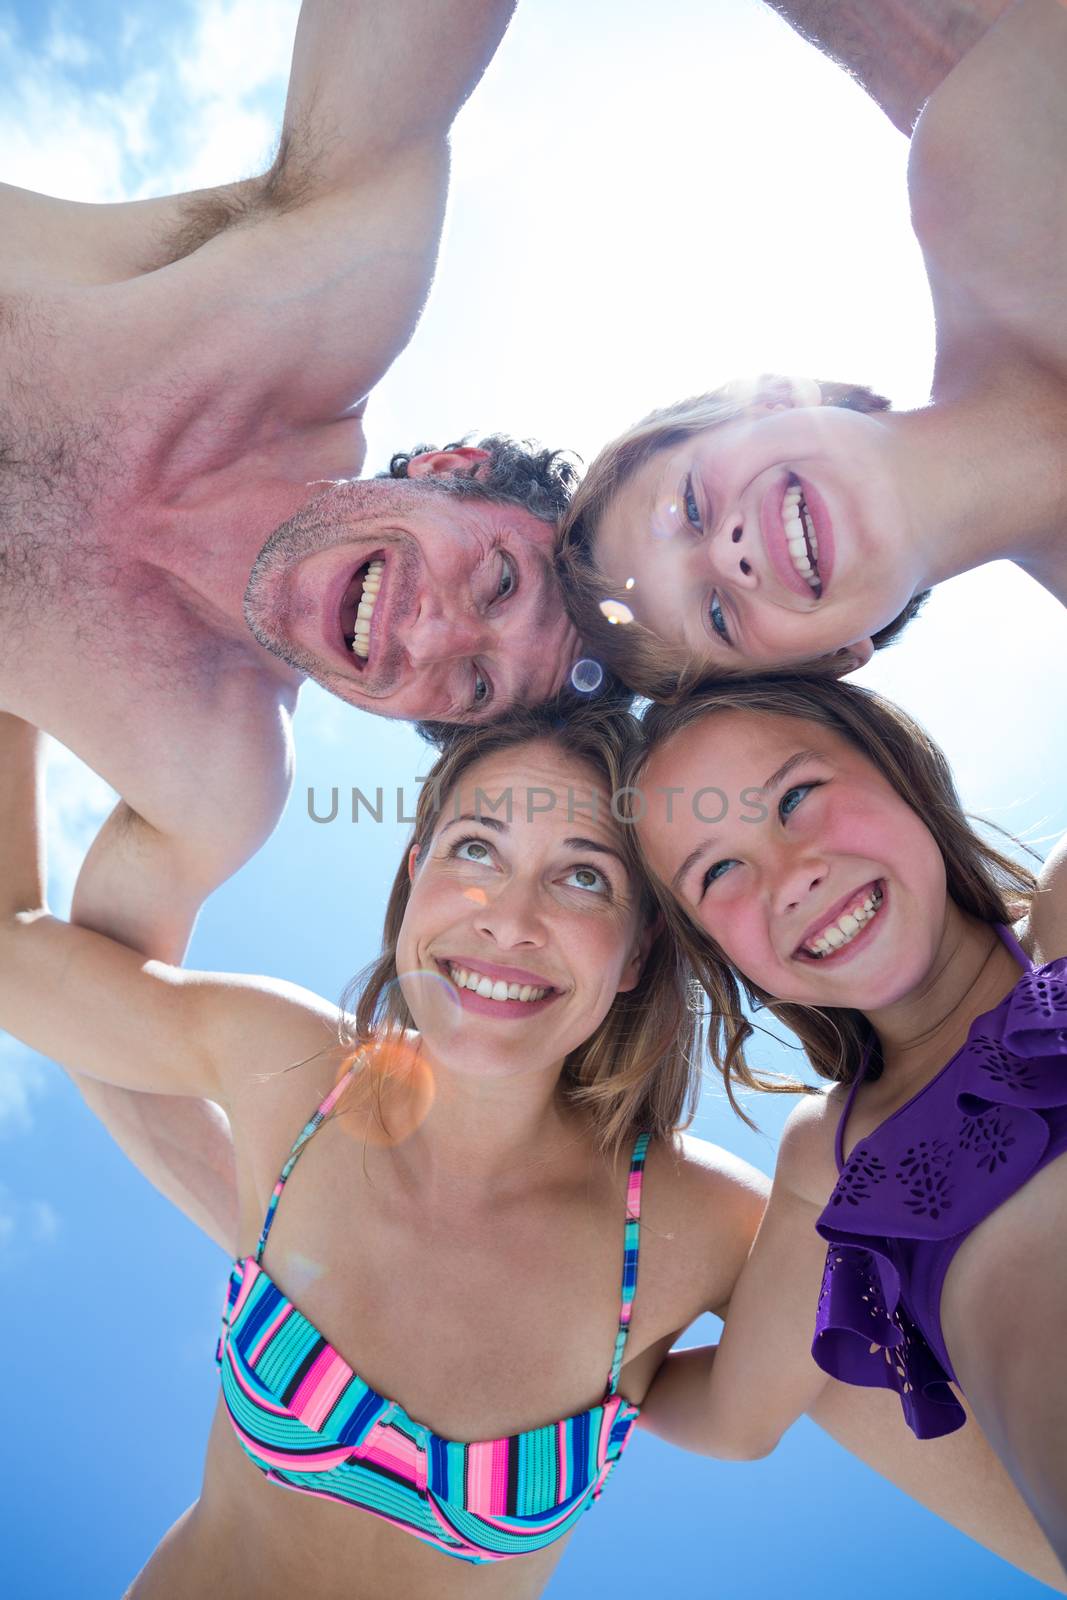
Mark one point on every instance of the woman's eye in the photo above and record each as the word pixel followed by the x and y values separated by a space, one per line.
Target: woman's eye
pixel 692 510
pixel 481 689
pixel 792 798
pixel 507 577
pixel 588 878
pixel 471 850
pixel 714 873
pixel 716 617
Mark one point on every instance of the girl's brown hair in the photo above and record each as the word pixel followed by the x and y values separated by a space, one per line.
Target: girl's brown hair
pixel 647 664
pixel 982 881
pixel 640 1069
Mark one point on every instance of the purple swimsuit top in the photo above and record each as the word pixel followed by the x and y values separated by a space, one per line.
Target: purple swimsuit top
pixel 911 1191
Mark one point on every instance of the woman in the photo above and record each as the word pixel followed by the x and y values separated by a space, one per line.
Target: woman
pixel 464 1199
pixel 785 522
pixel 460 1201
pixel 816 860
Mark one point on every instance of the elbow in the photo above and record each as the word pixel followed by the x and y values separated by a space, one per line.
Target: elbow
pixel 742 1449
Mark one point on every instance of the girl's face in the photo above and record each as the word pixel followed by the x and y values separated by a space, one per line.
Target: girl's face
pixel 797 857
pixel 776 538
pixel 523 921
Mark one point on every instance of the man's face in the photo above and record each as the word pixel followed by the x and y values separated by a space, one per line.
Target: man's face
pixel 459 618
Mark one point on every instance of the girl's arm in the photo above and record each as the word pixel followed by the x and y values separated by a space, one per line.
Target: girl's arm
pixel 737 1400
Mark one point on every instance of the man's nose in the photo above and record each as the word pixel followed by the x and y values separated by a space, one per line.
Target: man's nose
pixel 434 637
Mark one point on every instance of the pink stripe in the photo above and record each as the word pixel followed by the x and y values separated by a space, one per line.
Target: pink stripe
pixel 272 1328
pixel 561 1460
pixel 250 1273
pixel 394 1452
pixel 321 1385
pixel 253 1394
pixel 517 1526
pixel 498 1491
pixel 318 1461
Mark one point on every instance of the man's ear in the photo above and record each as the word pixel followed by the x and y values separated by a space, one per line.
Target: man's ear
pixel 463 461
pixel 413 856
pixel 853 656
pixel 639 954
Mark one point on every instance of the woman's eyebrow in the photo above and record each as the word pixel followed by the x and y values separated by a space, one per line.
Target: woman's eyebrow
pixel 480 818
pixel 786 768
pixel 595 848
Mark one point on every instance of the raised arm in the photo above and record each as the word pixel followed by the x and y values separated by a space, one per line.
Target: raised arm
pixel 102 1009
pixel 899 51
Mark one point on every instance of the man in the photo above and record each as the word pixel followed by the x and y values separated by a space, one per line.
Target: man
pixel 181 382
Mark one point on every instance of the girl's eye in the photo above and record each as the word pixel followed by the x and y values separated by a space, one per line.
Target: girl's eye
pixel 508 577
pixel 589 878
pixel 692 510
pixel 714 873
pixel 471 850
pixel 792 798
pixel 715 616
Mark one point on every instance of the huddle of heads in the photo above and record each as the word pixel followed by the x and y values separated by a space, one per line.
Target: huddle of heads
pixel 649 586
pixel 586 853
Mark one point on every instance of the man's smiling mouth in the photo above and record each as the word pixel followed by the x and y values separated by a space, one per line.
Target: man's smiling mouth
pixel 357 607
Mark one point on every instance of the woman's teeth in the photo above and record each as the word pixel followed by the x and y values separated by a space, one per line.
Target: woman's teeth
pixel 493 988
pixel 371 584
pixel 845 929
pixel 800 536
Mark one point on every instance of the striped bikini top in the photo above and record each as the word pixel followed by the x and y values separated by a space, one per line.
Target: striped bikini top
pixel 309 1422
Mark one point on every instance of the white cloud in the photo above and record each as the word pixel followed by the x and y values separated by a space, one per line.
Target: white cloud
pixel 25 1222
pixel 23 1078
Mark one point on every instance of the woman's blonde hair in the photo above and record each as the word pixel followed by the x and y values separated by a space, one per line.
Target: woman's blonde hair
pixel 647 664
pixel 982 881
pixel 640 1069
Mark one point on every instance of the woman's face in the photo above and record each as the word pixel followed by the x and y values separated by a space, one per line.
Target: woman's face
pixel 523 921
pixel 811 874
pixel 775 538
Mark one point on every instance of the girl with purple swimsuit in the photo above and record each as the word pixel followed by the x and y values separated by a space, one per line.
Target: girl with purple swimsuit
pixel 813 859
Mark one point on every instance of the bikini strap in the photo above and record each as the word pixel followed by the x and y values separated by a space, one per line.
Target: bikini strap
pixel 1007 934
pixel 310 1127
pixel 839 1137
pixel 631 1250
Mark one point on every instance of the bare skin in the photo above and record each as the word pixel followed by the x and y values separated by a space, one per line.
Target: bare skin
pixel 926 970
pixel 895 502
pixel 899 51
pixel 487 1170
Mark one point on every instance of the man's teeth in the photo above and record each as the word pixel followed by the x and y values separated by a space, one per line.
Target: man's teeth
pixel 371 584
pixel 493 988
pixel 845 929
pixel 796 519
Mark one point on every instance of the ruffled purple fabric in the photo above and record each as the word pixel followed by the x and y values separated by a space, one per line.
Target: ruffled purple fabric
pixel 925 1178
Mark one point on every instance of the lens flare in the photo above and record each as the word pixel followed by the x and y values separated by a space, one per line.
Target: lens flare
pixel 587 675
pixel 616 611
pixel 391 1091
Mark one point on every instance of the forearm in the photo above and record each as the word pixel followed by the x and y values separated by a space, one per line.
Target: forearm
pixel 679 1408
pixel 958 1477
pixel 898 50
pixel 22 858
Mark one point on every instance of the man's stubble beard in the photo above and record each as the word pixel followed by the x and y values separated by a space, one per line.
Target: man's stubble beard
pixel 330 519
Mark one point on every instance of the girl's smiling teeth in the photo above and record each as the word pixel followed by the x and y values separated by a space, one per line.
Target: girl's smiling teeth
pixel 800 536
pixel 844 928
pixel 494 988
pixel 365 610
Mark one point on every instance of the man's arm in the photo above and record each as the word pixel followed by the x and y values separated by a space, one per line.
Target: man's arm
pixel 899 51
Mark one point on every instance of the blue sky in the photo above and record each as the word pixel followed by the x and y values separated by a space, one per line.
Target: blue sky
pixel 646 201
